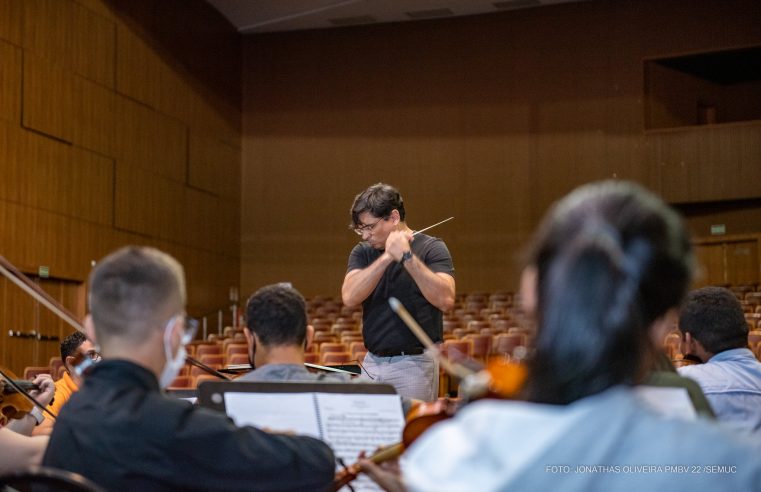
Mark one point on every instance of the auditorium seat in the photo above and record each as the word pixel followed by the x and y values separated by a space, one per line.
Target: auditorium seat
pixel 356 347
pixel 672 344
pixel 324 337
pixel 197 371
pixel 181 382
pixel 332 358
pixel 341 329
pixel 505 343
pixel 236 348
pixel 312 358
pixel 234 359
pixel 348 338
pixel 208 349
pixel 480 346
pixel 31 372
pixel 754 337
pixel 332 347
pixel 204 377
pixel 216 360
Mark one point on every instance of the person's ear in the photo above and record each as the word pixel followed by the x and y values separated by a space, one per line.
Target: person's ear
pixel 309 338
pixel 395 217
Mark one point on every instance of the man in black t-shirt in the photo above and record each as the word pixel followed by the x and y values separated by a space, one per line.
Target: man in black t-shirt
pixel 419 272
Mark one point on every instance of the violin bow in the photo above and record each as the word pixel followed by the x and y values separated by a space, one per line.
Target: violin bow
pixel 456 370
pixel 195 362
pixel 473 382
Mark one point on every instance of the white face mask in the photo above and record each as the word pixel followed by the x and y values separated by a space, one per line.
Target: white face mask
pixel 173 365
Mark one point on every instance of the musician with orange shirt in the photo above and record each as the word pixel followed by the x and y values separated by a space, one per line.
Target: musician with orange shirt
pixel 69 381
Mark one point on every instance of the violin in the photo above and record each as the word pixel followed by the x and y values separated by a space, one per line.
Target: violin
pixel 14 404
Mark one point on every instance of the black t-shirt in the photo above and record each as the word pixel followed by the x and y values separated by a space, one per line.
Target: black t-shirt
pixel 382 329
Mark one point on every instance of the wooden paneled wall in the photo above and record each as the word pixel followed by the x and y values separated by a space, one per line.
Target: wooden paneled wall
pixel 116 130
pixel 487 118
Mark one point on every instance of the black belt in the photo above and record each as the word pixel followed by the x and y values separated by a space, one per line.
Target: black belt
pixel 394 353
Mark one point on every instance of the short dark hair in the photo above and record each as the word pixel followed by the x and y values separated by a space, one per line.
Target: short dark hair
pixel 71 343
pixel 133 291
pixel 611 258
pixel 277 315
pixel 379 199
pixel 714 317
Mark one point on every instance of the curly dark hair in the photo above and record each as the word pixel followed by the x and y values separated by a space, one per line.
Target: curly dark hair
pixel 277 315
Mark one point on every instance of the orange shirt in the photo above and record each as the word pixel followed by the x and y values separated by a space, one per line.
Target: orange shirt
pixel 64 388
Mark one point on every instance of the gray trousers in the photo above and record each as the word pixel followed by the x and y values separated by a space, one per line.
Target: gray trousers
pixel 413 376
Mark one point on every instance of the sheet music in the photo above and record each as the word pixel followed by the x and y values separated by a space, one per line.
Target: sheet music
pixel 348 422
pixel 277 412
pixel 672 402
pixel 360 422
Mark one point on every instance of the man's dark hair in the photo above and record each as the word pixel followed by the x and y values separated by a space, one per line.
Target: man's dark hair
pixel 70 344
pixel 715 318
pixel 277 315
pixel 379 199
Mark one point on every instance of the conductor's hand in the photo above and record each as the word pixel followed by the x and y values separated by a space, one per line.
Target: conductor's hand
pixel 398 243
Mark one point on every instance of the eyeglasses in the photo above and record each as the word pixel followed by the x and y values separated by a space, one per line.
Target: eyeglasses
pixel 368 227
pixel 93 355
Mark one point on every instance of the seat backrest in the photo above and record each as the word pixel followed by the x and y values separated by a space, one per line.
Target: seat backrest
pixel 336 358
pixel 333 347
pixel 31 372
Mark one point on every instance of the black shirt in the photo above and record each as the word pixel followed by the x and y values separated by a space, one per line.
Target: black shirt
pixel 382 329
pixel 120 431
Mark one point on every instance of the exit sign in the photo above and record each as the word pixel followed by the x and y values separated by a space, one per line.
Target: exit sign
pixel 44 272
pixel 718 229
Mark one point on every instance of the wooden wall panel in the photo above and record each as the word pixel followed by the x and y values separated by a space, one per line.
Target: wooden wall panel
pixel 10 82
pixel 137 67
pixel 149 204
pixel 708 163
pixel 31 237
pixel 742 262
pixel 150 140
pixel 96 103
pixel 47 174
pixel 71 35
pixel 490 117
pixel 48 98
pixel 11 12
pixel 95 117
pixel 711 265
pixel 100 7
pixel 214 166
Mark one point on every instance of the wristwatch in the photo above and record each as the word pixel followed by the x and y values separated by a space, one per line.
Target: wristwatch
pixel 407 255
